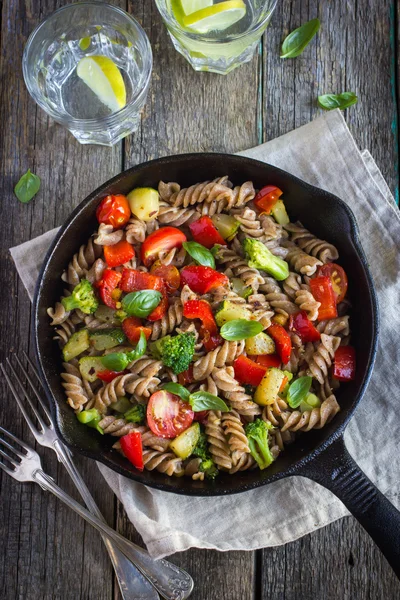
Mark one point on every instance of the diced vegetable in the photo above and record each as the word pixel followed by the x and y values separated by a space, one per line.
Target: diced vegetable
pixel 268 390
pixel 90 366
pixel 260 344
pixel 91 418
pixel 228 311
pixel 267 360
pixel 267 198
pixel 226 225
pixel 132 448
pixel 300 323
pixel 285 384
pixel 107 315
pixel 344 364
pixel 118 254
pixel 103 339
pixel 107 285
pixel 205 233
pixel 162 240
pixel 338 279
pixel 107 375
pixel 77 343
pixel 185 443
pixel 259 257
pixel 144 203
pixel 322 290
pixel 114 210
pixel 311 401
pixel 282 340
pixel 280 319
pixel 135 281
pixel 240 288
pixel 132 328
pixel 248 372
pixel 202 279
pixel 121 405
pixel 168 273
pixel 279 213
pixel 201 309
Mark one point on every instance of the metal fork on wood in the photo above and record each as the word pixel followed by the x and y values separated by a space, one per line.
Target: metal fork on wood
pixel 169 580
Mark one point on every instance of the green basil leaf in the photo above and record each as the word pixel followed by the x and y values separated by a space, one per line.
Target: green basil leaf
pixel 342 101
pixel 27 187
pixel 240 329
pixel 295 42
pixel 204 401
pixel 177 389
pixel 298 391
pixel 115 361
pixel 201 255
pixel 141 304
pixel 140 348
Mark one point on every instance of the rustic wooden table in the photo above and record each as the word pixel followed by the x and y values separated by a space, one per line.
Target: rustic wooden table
pixel 47 552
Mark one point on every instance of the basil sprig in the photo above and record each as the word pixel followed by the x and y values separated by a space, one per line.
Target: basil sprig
pixel 199 401
pixel 141 304
pixel 342 101
pixel 204 401
pixel 298 391
pixel 118 361
pixel 297 40
pixel 240 329
pixel 201 255
pixel 27 187
pixel 177 389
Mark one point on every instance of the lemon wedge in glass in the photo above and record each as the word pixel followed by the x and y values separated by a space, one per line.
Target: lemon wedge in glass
pixel 215 18
pixel 104 78
pixel 191 6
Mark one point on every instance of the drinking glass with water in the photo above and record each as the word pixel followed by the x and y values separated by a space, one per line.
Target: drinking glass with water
pixel 216 35
pixel 88 66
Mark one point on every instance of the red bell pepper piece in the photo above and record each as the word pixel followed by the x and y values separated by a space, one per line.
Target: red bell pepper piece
pixel 162 308
pixel 267 360
pixel 322 290
pixel 119 253
pixel 134 281
pixel 106 286
pixel 186 377
pixel 247 371
pixel 267 197
pixel 205 233
pixel 132 328
pixel 108 375
pixel 200 309
pixel 162 240
pixel 201 416
pixel 282 340
pixel 202 279
pixel 344 363
pixel 300 323
pixel 132 448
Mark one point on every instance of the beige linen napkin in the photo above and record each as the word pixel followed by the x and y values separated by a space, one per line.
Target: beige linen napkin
pixel 324 154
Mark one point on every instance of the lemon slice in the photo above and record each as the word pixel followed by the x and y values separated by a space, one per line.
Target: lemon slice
pixel 191 6
pixel 104 78
pixel 217 17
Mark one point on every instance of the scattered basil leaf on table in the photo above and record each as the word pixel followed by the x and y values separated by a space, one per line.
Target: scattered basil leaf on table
pixel 240 329
pixel 201 255
pixel 27 187
pixel 141 304
pixel 295 42
pixel 298 391
pixel 177 389
pixel 204 401
pixel 342 101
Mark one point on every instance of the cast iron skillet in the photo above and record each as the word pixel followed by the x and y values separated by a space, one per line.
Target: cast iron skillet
pixel 320 454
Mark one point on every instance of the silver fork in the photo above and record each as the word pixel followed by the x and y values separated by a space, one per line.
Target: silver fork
pixel 169 580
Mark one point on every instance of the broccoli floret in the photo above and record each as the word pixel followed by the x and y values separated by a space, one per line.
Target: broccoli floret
pixel 259 257
pixel 201 449
pixel 257 434
pixel 249 389
pixel 176 352
pixel 82 297
pixel 135 414
pixel 209 468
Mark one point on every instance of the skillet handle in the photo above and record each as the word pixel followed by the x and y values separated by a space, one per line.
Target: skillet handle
pixel 335 469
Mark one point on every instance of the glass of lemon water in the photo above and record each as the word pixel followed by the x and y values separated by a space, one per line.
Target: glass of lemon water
pixel 216 35
pixel 88 66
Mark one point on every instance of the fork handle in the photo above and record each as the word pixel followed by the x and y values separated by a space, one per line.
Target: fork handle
pixel 169 580
pixel 132 583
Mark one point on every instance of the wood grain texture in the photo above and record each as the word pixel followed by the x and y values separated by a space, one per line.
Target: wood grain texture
pixel 47 552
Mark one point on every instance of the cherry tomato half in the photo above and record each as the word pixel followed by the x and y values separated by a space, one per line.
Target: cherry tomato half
pixel 114 210
pixel 169 273
pixel 267 197
pixel 162 240
pixel 338 278
pixel 167 415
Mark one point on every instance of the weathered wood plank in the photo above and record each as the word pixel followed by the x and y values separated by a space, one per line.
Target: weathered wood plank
pixel 48 552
